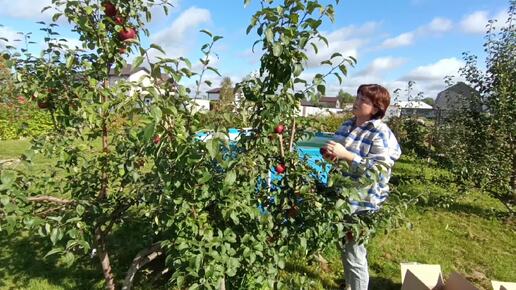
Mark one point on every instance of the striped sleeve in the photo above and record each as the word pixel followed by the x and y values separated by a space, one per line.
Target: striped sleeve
pixel 382 154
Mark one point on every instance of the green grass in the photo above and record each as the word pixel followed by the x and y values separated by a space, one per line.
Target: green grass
pixel 13 148
pixel 461 231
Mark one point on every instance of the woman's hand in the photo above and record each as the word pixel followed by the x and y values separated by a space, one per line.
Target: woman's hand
pixel 336 151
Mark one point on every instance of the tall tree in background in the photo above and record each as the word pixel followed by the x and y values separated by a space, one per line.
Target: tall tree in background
pixel 227 95
pixel 429 101
pixel 484 147
pixel 6 82
pixel 345 98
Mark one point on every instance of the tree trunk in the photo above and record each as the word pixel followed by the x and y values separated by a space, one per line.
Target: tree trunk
pixel 104 260
pixel 513 176
pixel 142 258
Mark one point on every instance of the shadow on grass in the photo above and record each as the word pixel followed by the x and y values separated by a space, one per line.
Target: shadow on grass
pixel 381 283
pixel 21 260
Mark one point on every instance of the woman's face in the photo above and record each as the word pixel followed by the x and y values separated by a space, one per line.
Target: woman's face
pixel 363 107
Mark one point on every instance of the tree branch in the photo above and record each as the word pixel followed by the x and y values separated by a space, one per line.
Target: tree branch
pixel 50 199
pixel 142 258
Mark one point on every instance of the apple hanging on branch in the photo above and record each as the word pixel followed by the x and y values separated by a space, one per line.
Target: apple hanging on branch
pixel 109 9
pixel 279 129
pixel 127 34
pixel 280 168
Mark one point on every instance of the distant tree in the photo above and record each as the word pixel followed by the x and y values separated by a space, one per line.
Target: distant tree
pixel 429 101
pixel 481 144
pixel 345 98
pixel 227 95
pixel 6 82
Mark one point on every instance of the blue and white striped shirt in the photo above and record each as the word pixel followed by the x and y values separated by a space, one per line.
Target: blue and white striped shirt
pixel 375 148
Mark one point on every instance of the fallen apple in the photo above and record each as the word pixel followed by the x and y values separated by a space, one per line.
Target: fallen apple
pixel 156 139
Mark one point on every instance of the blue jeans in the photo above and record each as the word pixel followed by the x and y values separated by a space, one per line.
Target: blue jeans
pixel 354 259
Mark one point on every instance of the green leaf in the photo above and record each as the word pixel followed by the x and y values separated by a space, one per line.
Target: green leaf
pixel 217 37
pixel 148 132
pixel 138 61
pixel 315 47
pixel 159 48
pixel 281 263
pixel 213 70
pixel 339 203
pixel 206 32
pixel 321 89
pixel 277 49
pixel 336 54
pixel 269 35
pixel 212 146
pixel 247 2
pixel 79 209
pixel 53 251
pixel 7 177
pixel 343 69
pixel 230 178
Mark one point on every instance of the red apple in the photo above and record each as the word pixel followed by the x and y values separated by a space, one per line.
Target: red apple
pixel 109 9
pixel 280 168
pixel 156 139
pixel 119 20
pixel 122 50
pixel 323 151
pixel 279 129
pixel 127 33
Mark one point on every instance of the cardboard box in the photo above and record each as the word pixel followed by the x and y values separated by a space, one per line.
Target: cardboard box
pixel 416 276
pixel 497 285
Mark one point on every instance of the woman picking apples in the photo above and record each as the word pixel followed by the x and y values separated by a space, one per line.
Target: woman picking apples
pixel 370 148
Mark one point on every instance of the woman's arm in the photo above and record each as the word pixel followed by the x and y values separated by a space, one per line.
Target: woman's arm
pixel 381 156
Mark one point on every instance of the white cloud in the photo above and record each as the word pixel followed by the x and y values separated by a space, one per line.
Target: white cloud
pixel 403 39
pixel 26 9
pixel 476 22
pixel 382 64
pixel 10 35
pixel 430 78
pixel 346 40
pixel 435 71
pixel 437 26
pixel 177 38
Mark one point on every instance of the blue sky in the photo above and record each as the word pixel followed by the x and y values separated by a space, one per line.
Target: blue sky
pixel 393 41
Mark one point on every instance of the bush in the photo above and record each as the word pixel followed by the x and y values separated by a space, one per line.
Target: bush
pixel 329 123
pixel 414 135
pixel 23 121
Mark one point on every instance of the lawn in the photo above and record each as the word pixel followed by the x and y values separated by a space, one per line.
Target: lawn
pixel 462 231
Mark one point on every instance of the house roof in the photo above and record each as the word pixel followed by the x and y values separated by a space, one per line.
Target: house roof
pixel 455 96
pixel 413 105
pixel 214 91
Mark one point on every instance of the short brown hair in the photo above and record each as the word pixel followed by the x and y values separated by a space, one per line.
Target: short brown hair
pixel 378 95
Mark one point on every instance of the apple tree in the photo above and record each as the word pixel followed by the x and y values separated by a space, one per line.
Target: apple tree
pixel 217 211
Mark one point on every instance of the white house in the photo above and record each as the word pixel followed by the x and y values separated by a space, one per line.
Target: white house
pixel 140 75
pixel 410 108
pixel 325 106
